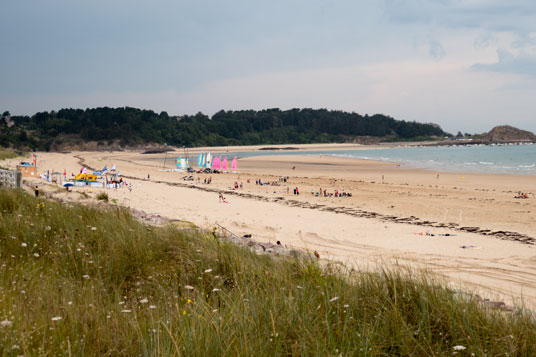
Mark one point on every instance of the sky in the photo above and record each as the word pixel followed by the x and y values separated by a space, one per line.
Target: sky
pixel 467 65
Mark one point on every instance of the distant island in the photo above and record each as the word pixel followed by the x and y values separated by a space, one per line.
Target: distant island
pixel 118 128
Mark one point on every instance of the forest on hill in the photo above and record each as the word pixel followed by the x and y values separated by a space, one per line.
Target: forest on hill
pixel 131 127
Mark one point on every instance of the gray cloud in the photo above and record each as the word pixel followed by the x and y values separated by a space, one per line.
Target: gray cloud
pixel 516 16
pixel 508 62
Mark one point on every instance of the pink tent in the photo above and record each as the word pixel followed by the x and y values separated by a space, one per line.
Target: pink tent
pixel 224 164
pixel 233 164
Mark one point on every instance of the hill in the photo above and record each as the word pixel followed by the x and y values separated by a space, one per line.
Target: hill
pixel 507 134
pixel 107 128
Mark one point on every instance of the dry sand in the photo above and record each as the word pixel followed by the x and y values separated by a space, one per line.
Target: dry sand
pixel 385 221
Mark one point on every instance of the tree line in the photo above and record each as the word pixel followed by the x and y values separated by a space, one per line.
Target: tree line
pixel 131 127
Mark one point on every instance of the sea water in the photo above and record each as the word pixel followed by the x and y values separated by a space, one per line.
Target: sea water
pixel 501 159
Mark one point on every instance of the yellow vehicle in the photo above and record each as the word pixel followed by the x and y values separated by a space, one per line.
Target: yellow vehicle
pixel 85 177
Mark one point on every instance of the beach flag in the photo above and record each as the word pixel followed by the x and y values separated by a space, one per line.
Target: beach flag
pixel 83 170
pixel 224 164
pixel 113 168
pixel 233 164
pixel 105 169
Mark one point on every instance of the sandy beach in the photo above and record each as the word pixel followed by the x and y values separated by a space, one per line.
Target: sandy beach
pixel 467 228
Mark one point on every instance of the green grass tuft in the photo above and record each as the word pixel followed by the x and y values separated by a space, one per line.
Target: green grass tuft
pixel 83 281
pixel 103 196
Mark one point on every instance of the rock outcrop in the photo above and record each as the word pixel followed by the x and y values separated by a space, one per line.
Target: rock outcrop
pixel 508 134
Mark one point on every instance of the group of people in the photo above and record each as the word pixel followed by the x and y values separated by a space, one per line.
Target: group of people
pixel 521 195
pixel 325 193
pixel 261 183
pixel 206 181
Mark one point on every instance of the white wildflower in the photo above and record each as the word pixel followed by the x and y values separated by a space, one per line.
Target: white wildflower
pixel 459 348
pixel 85 276
pixel 208 270
pixel 346 305
pixel 93 228
pixel 56 318
pixel 189 287
pixel 334 299
pixel 299 286
pixel 126 310
pixel 144 301
pixel 69 303
pixel 47 228
pixel 5 323
pixel 152 306
pixel 36 255
pixel 24 244
pixel 121 302
pixel 215 289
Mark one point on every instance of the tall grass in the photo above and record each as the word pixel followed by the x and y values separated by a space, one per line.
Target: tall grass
pixel 7 154
pixel 83 281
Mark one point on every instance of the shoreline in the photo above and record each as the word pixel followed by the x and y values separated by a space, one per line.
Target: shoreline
pixel 334 149
pixel 410 218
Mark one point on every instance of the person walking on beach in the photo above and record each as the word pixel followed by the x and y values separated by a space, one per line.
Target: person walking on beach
pixel 36 191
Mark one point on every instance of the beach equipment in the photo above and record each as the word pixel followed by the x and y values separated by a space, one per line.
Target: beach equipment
pixel 216 164
pixel 224 164
pixel 200 160
pixel 233 164
pixel 208 161
pixel 68 184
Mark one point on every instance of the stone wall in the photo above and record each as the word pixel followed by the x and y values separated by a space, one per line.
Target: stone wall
pixel 9 178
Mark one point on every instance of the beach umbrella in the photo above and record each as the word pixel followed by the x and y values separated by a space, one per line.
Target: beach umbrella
pixel 68 184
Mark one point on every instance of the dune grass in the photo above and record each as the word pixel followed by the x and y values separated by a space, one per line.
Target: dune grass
pixel 86 281
pixel 7 154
